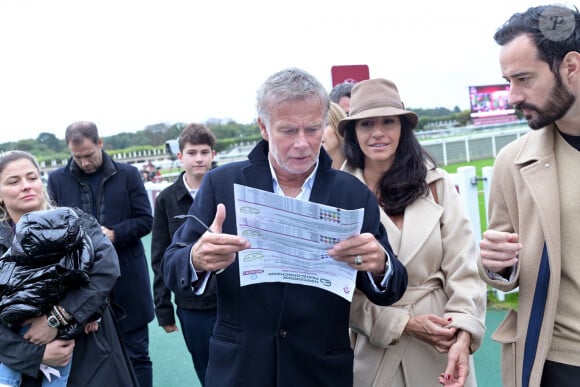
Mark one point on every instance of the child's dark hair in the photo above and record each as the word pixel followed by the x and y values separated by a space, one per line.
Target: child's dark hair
pixel 196 134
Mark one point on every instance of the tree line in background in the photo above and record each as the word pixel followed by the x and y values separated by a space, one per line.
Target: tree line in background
pixel 47 147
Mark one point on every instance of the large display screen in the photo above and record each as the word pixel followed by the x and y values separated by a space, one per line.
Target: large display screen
pixel 490 101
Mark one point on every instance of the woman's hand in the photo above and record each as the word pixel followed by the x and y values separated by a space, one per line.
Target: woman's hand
pixel 432 330
pixel 457 369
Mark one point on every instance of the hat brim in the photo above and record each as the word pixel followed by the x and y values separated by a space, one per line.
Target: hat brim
pixel 377 112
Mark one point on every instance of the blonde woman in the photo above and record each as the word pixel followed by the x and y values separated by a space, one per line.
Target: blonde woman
pixel 98 357
pixel 331 139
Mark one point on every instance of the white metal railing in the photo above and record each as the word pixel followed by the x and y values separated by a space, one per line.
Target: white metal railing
pixel 472 146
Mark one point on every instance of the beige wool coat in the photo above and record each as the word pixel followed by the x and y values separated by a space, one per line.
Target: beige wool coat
pixel 524 198
pixel 437 247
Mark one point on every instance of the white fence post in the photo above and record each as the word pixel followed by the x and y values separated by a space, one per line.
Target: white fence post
pixel 467 186
pixel 486 173
pixel 154 189
pixel 466 182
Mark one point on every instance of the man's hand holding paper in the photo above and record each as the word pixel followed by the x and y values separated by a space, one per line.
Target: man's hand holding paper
pixel 303 242
pixel 371 256
pixel 214 250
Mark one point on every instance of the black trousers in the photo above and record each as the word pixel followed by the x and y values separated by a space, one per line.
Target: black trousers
pixel 137 344
pixel 560 375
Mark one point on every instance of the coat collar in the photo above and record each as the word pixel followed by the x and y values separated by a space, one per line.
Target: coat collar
pixel 537 163
pixel 181 190
pixel 258 171
pixel 108 166
pixel 421 217
pixel 539 145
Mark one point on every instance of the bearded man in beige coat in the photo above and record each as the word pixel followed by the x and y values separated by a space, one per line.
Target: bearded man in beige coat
pixel 532 241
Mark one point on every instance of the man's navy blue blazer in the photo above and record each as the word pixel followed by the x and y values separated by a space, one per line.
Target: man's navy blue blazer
pixel 278 334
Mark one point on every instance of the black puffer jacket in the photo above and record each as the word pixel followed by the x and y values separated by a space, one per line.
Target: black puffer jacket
pixel 49 255
pixel 99 358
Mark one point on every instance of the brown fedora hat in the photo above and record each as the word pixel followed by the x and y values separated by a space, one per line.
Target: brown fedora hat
pixel 375 98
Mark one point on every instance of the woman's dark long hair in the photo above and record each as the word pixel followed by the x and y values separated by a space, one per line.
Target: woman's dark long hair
pixel 405 181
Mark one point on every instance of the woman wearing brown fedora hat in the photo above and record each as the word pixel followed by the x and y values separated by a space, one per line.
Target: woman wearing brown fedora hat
pixel 440 320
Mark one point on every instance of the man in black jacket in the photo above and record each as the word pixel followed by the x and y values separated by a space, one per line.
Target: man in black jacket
pixel 114 194
pixel 196 313
pixel 282 333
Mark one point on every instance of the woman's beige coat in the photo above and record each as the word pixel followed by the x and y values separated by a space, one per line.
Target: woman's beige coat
pixel 524 198
pixel 437 247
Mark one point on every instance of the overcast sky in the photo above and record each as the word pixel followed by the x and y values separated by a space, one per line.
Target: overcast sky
pixel 126 64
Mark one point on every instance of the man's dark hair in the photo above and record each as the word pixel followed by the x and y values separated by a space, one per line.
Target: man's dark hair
pixel 554 29
pixel 78 131
pixel 339 91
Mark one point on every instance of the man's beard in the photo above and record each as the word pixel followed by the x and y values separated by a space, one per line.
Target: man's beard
pixel 556 107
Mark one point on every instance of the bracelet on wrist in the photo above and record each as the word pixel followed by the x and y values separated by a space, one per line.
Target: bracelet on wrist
pixel 64 313
pixel 57 313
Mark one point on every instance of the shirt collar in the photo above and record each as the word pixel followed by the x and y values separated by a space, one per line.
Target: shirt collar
pixel 192 191
pixel 306 187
